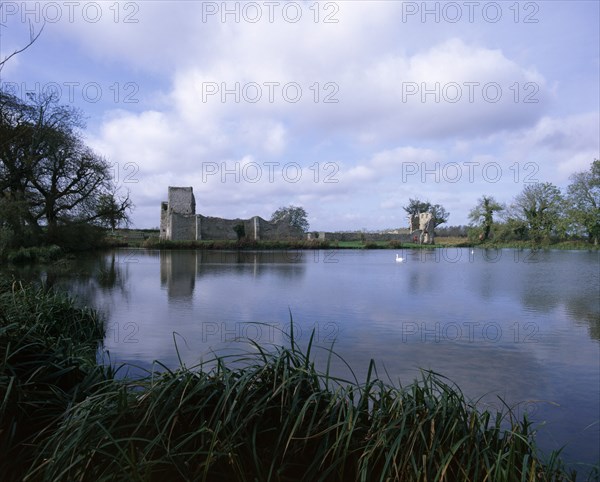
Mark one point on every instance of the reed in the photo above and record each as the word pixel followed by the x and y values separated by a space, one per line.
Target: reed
pixel 47 364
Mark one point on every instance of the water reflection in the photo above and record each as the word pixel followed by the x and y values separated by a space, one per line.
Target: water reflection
pixel 522 325
pixel 433 284
pixel 422 279
pixel 86 275
pixel 178 274
pixel 179 270
pixel 585 312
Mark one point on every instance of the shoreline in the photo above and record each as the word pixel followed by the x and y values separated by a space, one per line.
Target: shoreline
pixel 54 254
pixel 153 243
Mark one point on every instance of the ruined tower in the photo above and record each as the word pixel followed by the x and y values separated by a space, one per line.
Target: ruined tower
pixel 178 215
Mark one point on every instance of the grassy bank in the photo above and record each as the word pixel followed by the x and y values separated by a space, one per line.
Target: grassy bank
pixel 34 254
pixel 267 415
pixel 147 240
pixel 244 244
pixel 566 245
pixel 133 238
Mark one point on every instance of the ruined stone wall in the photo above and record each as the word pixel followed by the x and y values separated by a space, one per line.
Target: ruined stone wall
pixel 256 228
pixel 177 215
pixel 181 227
pixel 281 230
pixel 403 236
pixel 179 222
pixel 424 225
pixel 164 219
pixel 181 200
pixel 211 228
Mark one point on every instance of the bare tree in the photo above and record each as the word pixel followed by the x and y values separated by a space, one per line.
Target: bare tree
pixel 113 208
pixel 49 174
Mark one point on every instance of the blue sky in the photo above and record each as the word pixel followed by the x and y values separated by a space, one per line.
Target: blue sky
pixel 346 108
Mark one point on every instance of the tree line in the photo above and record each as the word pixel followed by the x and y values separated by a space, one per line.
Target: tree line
pixel 54 188
pixel 541 213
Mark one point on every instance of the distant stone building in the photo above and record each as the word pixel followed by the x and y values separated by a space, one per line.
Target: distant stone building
pixel 179 222
pixel 424 225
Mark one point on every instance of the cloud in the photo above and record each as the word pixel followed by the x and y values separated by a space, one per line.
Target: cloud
pixel 369 96
pixel 559 145
pixel 376 101
pixel 394 159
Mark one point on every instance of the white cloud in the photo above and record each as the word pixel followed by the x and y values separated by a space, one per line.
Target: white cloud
pixel 559 145
pixel 394 159
pixel 396 85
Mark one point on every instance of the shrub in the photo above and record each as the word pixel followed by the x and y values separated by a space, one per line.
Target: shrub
pixel 78 237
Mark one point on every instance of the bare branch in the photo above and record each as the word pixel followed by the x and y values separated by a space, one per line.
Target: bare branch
pixel 32 38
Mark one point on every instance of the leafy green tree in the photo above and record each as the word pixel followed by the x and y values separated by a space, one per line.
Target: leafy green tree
pixel 540 206
pixel 240 230
pixel 482 215
pixel 440 215
pixel 415 206
pixel 295 214
pixel 583 201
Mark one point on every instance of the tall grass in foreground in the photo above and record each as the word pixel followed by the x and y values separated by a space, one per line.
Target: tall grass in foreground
pixel 47 364
pixel 266 415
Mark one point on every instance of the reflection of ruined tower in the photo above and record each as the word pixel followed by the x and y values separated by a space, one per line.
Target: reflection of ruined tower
pixel 178 215
pixel 178 274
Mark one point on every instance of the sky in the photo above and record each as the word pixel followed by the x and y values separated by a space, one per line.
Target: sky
pixel 346 108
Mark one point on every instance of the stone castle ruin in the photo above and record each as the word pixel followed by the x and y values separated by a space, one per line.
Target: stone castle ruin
pixel 424 224
pixel 179 222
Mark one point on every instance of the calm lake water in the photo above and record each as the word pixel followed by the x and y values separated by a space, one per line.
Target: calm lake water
pixel 520 325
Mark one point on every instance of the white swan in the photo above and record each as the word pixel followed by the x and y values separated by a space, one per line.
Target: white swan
pixel 399 259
